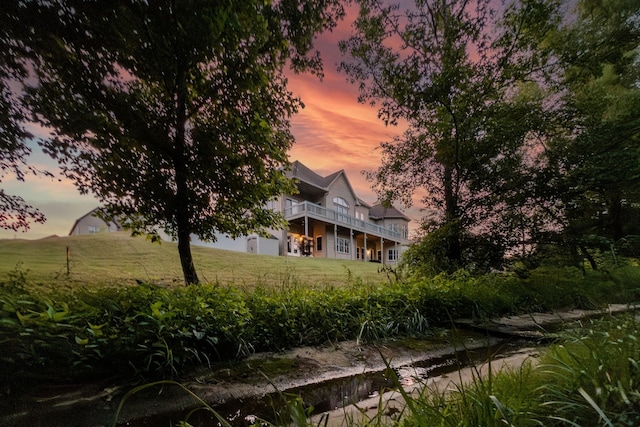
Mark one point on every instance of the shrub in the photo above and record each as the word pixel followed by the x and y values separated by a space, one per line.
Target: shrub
pixel 157 332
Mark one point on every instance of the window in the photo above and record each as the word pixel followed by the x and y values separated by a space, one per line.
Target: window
pixel 342 245
pixel 93 229
pixel 291 207
pixel 399 228
pixel 392 255
pixel 357 252
pixel 319 243
pixel 341 205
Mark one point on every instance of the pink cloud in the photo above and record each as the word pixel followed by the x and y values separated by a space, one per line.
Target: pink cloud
pixel 333 132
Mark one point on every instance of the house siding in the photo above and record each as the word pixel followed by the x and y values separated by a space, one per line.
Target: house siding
pixel 341 188
pixel 91 224
pixel 366 230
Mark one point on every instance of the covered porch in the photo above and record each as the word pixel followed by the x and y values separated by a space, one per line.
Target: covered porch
pixel 345 237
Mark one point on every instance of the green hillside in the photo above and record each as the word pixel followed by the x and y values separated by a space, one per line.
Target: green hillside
pixel 117 258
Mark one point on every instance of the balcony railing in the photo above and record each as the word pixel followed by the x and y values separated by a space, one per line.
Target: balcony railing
pixel 319 212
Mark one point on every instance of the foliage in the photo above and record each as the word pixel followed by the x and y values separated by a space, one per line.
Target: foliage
pixel 158 332
pixel 594 375
pixel 522 122
pixel 496 399
pixel 175 115
pixel 587 167
pixel 450 70
pixel 151 330
pixel 15 213
pixel 428 257
pixel 589 379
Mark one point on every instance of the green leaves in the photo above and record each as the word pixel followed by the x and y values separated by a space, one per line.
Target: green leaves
pixel 594 154
pixel 451 75
pixel 175 115
pixel 159 332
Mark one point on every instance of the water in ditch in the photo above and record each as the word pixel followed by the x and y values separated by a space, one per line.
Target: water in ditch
pixel 339 392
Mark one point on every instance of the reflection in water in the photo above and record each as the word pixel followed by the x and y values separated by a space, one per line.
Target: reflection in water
pixel 340 392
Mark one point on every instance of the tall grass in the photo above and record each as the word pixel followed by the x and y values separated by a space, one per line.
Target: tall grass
pixel 590 379
pixel 593 377
pixel 157 332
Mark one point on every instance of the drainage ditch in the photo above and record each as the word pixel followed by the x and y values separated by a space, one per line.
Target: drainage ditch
pixel 339 392
pixel 353 373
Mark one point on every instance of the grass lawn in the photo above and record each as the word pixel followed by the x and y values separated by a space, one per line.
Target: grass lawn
pixel 117 258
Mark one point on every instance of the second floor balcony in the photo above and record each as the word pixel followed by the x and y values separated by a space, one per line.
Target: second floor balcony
pixel 313 211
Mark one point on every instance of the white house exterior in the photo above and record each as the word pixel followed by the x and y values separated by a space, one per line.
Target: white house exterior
pixel 91 223
pixel 326 220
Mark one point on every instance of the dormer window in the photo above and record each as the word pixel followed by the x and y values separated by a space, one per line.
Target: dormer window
pixel 341 205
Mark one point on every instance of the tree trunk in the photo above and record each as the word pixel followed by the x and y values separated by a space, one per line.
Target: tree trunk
pixel 576 259
pixel 615 218
pixel 183 222
pixel 183 225
pixel 186 260
pixel 587 255
pixel 454 251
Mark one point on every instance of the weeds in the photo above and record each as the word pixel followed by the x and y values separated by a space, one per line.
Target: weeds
pixel 594 374
pixel 590 379
pixel 159 332
pixel 582 382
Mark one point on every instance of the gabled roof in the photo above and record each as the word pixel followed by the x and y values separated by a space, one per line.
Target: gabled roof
pixel 305 175
pixel 363 203
pixel 380 211
pixel 319 183
pixel 93 212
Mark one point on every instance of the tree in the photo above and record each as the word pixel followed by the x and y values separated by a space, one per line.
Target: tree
pixel 593 161
pixel 450 70
pixel 15 213
pixel 175 114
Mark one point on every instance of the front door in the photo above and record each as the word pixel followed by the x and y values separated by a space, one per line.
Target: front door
pixel 293 245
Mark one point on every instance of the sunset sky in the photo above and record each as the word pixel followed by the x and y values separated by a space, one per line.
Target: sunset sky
pixel 333 132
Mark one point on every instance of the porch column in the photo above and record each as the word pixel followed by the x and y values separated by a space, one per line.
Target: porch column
pixel 365 247
pixel 381 250
pixel 335 240
pixel 352 248
pixel 306 243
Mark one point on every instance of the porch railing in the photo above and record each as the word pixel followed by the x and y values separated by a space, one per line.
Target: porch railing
pixel 319 212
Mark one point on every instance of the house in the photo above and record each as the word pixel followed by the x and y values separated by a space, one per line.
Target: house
pixel 328 220
pixel 91 223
